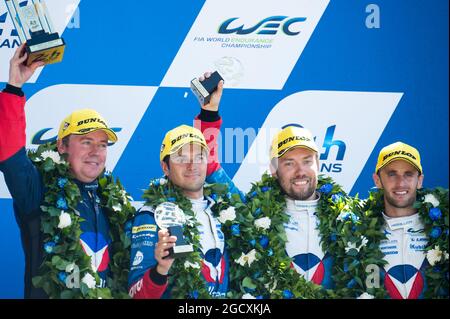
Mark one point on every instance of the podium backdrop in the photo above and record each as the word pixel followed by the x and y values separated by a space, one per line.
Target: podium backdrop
pixel 359 74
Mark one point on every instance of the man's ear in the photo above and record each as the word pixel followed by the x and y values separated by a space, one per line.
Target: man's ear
pixel 165 168
pixel 420 181
pixel 62 149
pixel 377 181
pixel 273 170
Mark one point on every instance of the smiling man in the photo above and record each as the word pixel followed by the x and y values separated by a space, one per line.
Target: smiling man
pixel 183 159
pixel 399 174
pixel 83 139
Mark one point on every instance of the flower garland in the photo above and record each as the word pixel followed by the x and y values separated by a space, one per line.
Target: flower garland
pixel 265 271
pixel 433 208
pixel 353 240
pixel 185 279
pixel 65 262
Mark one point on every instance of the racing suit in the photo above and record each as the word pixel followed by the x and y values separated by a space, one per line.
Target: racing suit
pixel 303 244
pixel 27 189
pixel 404 250
pixel 146 282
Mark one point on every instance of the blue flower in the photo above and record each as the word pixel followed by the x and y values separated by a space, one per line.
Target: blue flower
pixel 265 189
pixel 326 188
pixel 353 228
pixel 257 212
pixel 346 216
pixel 249 290
pixel 235 230
pixel 351 283
pixel 336 197
pixel 61 203
pixel 435 232
pixel 171 199
pixel 287 294
pixel 446 232
pixel 259 297
pixel 436 269
pixel 435 213
pixel 156 182
pixel 194 294
pixel 62 182
pixel 62 276
pixel 345 267
pixel 333 237
pixel 252 242
pixel 214 196
pixel 270 252
pixel 264 241
pixel 253 194
pixel 229 195
pixel 48 247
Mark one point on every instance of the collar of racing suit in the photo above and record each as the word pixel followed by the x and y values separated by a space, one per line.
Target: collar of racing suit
pixel 302 205
pixel 406 222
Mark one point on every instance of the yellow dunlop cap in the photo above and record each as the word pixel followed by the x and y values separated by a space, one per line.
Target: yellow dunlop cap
pixel 85 121
pixel 180 136
pixel 290 137
pixel 398 151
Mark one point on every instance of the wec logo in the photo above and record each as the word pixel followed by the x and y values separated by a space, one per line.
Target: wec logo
pixel 267 26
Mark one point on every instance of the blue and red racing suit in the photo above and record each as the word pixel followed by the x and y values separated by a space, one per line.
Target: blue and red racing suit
pixel 404 250
pixel 146 282
pixel 25 184
pixel 303 244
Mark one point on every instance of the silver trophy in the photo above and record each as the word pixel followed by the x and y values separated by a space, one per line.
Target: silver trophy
pixel 170 216
pixel 35 28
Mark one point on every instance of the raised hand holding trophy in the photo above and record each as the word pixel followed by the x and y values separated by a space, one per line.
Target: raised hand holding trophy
pixel 170 216
pixel 35 28
pixel 204 89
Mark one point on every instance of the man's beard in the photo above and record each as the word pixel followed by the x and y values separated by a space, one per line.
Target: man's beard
pixel 306 194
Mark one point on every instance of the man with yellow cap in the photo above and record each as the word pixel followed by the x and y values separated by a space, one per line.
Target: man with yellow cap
pixel 83 139
pixel 183 159
pixel 399 174
pixel 295 164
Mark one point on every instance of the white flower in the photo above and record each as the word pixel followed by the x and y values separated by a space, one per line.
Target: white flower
pixel 188 264
pixel 89 280
pixel 434 255
pixel 366 296
pixel 248 296
pixel 430 198
pixel 162 181
pixel 64 220
pixel 117 207
pixel 446 256
pixel 54 156
pixel 247 258
pixel 364 242
pixel 228 214
pixel 351 246
pixel 263 222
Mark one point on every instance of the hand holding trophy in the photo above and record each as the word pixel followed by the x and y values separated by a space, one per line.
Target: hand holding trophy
pixel 169 216
pixel 35 28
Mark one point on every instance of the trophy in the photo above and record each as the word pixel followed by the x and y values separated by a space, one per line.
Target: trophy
pixel 35 28
pixel 168 215
pixel 204 89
